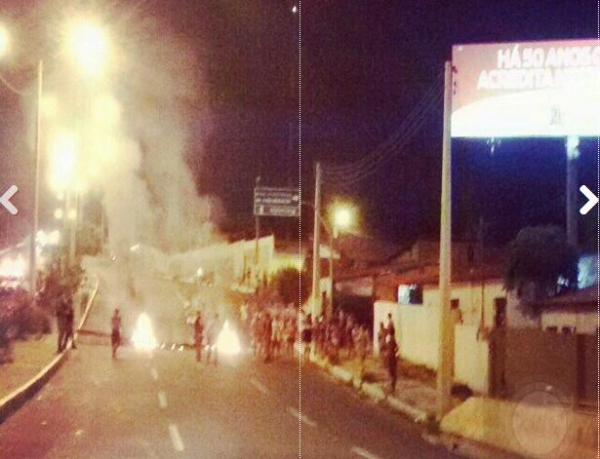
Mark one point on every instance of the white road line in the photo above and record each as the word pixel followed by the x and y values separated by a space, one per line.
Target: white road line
pixel 363 453
pixel 305 419
pixel 176 438
pixel 154 374
pixel 260 386
pixel 162 399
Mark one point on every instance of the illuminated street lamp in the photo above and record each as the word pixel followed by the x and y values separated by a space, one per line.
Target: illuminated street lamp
pixel 90 48
pixel 4 41
pixel 342 218
pixel 88 44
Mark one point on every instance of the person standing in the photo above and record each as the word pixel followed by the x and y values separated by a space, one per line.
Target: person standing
pixel 211 340
pixel 115 335
pixel 391 360
pixel 69 324
pixel 60 324
pixel 198 336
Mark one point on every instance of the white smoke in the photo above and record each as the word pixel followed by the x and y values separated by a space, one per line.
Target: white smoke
pixel 133 134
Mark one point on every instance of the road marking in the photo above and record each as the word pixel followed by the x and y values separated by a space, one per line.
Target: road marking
pixel 162 399
pixel 363 453
pixel 305 419
pixel 260 386
pixel 154 374
pixel 176 438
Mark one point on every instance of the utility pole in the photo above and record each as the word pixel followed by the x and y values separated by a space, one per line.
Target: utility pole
pixel 256 240
pixel 36 184
pixel 446 327
pixel 332 236
pixel 316 268
pixel 572 151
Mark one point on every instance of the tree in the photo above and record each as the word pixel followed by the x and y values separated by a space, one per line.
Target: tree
pixel 541 263
pixel 286 283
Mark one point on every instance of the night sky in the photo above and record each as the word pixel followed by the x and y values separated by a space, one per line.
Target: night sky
pixel 366 64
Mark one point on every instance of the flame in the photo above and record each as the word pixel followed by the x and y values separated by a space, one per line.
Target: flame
pixel 13 268
pixel 228 342
pixel 143 336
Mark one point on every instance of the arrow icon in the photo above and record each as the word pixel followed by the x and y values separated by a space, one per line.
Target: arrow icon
pixel 591 197
pixel 5 200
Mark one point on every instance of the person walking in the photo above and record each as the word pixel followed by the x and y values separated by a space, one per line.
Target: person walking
pixel 198 336
pixel 115 335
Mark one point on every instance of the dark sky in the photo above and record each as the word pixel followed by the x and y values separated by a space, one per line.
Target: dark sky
pixel 366 64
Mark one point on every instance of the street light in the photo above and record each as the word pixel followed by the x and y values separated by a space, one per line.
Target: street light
pixel 90 48
pixel 4 41
pixel 88 45
pixel 343 217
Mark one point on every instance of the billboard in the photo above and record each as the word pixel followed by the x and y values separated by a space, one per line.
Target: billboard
pixel 528 89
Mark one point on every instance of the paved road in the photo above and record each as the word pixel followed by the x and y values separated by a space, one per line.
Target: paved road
pixel 166 405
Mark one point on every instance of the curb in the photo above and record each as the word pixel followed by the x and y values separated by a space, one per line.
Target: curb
pixel 374 391
pixel 342 374
pixel 16 399
pixel 414 413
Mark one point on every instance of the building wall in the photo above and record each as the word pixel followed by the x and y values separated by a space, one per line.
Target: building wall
pixel 579 322
pixel 417 334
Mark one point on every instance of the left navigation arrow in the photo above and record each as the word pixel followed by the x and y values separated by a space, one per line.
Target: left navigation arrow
pixel 5 200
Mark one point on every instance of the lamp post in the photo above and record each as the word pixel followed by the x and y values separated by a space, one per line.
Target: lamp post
pixel 89 47
pixel 342 219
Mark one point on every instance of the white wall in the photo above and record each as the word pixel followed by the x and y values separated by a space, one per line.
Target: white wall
pixel 417 330
pixel 471 362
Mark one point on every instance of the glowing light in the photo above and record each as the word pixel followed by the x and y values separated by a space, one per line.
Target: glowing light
pixel 72 215
pixel 143 335
pixel 58 214
pixel 134 248
pixel 49 106
pixel 228 342
pixel 62 168
pixel 14 268
pixel 4 41
pixel 200 272
pixel 294 9
pixel 342 216
pixel 89 46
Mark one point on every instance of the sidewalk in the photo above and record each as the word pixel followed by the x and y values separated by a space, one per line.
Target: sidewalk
pixel 29 358
pixel 415 394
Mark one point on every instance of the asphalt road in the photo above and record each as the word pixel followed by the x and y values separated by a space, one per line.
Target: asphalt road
pixel 166 405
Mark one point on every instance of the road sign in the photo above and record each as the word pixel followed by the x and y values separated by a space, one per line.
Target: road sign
pixel 276 202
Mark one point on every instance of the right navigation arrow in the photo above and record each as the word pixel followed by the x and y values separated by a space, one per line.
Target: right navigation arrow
pixel 591 197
